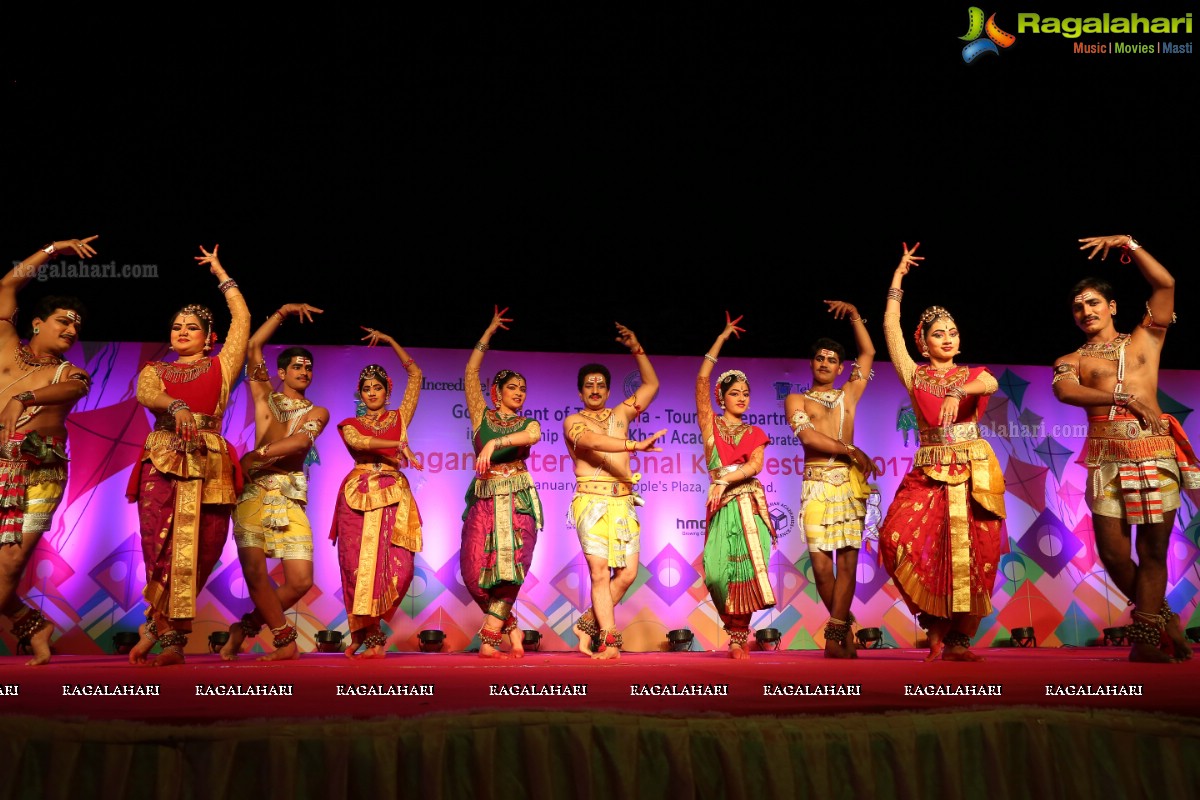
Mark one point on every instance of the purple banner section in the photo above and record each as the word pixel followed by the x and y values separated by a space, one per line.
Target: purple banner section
pixel 87 574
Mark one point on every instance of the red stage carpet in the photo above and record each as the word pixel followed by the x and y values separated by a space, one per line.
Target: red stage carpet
pixel 1030 722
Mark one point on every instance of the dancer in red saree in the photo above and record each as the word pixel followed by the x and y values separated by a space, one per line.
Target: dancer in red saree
pixel 941 538
pixel 188 479
pixel 376 524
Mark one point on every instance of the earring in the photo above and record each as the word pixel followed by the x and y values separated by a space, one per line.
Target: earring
pixel 925 352
pixel 36 330
pixel 722 406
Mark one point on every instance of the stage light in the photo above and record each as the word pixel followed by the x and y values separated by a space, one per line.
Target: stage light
pixel 123 642
pixel 1193 635
pixel 680 640
pixel 767 638
pixel 431 640
pixel 1115 636
pixel 328 641
pixel 1023 637
pixel 217 640
pixel 532 640
pixel 869 637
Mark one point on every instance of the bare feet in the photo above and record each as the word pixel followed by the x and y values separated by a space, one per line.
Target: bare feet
pixel 39 643
pixel 937 633
pixel 516 638
pixel 585 639
pixel 286 653
pixel 1149 654
pixel 169 657
pixel 145 644
pixel 959 654
pixel 609 653
pixel 835 650
pixel 738 651
pixel 378 651
pixel 231 648
pixel 1179 644
pixel 488 651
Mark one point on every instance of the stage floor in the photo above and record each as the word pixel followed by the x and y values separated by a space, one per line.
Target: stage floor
pixel 795 682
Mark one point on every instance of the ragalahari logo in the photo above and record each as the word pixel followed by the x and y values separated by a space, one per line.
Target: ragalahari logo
pixel 976 27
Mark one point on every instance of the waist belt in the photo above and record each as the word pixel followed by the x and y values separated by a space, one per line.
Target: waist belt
pixel 958 432
pixel 501 471
pixel 606 488
pixel 836 474
pixel 204 422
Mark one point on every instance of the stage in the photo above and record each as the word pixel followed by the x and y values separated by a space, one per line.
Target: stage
pixel 679 724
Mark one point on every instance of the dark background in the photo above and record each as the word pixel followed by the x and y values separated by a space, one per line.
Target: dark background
pixel 650 165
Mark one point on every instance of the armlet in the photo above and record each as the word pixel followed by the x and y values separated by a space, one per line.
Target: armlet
pixel 801 422
pixel 1065 372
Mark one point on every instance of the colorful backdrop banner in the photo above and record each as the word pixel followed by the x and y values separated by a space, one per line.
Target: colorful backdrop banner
pixel 87 573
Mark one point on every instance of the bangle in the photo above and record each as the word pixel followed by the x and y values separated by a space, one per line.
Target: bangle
pixel 282 316
pixel 956 392
pixel 225 286
pixel 262 451
pixel 720 483
pixel 1123 398
pixel 638 351
pixel 1132 244
pixel 858 319
pixel 849 448
pixel 49 249
pixel 24 398
pixel 895 293
pixel 409 363
pixel 481 347
pixel 707 357
pixel 630 445
pixel 177 406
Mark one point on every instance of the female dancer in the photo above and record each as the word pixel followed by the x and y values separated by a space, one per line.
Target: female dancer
pixel 739 535
pixel 188 479
pixel 376 524
pixel 504 513
pixel 940 540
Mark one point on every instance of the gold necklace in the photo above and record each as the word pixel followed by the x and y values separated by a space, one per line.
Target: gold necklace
pixel 731 433
pixel 377 424
pixel 285 408
pixel 1109 351
pixel 936 381
pixel 183 371
pixel 26 357
pixel 828 397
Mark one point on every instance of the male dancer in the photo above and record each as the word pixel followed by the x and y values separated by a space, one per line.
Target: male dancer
pixel 835 486
pixel 269 521
pixel 1137 456
pixel 603 507
pixel 38 388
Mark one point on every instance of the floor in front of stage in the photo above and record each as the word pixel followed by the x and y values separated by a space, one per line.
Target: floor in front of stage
pixel 317 685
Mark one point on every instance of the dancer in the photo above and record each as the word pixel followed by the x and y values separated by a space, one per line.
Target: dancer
pixel 602 510
pixel 188 479
pixel 39 389
pixel 269 521
pixel 1137 456
pixel 940 540
pixel 738 534
pixel 504 513
pixel 376 523
pixel 835 488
